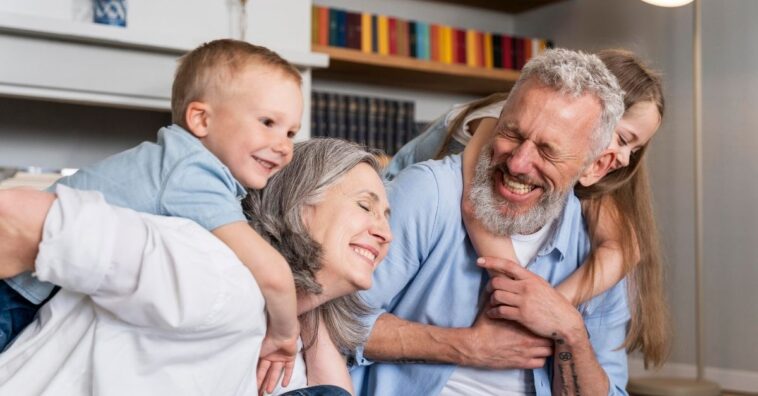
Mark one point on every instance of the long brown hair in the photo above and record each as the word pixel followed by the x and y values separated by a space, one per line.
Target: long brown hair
pixel 625 193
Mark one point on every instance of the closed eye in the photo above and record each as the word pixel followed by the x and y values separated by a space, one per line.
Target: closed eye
pixel 267 122
pixel 364 206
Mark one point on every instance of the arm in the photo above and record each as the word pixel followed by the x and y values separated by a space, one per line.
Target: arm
pixel 324 364
pixel 488 343
pixel 522 296
pixel 274 278
pixel 22 215
pixel 609 266
pixel 149 271
pixel 271 272
pixel 484 242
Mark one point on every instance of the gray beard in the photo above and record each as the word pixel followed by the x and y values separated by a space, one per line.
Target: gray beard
pixel 488 205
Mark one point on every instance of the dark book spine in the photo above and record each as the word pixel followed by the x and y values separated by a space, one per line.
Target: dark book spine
pixel 389 132
pixel 497 51
pixel 373 122
pixel 342 117
pixel 352 118
pixel 334 28
pixel 331 115
pixel 398 137
pixel 413 39
pixel 460 47
pixel 374 34
pixel 342 28
pixel 354 30
pixel 321 114
pixel 516 47
pixel 392 22
pixel 410 122
pixel 361 115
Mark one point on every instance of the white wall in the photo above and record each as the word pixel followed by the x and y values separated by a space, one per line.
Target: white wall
pixel 730 75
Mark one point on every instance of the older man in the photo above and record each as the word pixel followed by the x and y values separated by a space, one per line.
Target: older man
pixel 426 337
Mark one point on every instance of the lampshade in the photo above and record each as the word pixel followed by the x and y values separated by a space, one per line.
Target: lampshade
pixel 668 3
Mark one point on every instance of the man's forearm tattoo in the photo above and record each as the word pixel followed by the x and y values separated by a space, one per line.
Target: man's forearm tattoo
pixel 566 358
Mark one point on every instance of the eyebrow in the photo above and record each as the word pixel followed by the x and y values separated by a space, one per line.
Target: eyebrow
pixel 375 197
pixel 512 126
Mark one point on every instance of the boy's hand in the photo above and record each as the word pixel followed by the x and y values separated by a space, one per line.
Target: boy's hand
pixel 277 355
pixel 22 216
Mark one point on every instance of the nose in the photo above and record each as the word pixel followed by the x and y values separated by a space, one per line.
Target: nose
pixel 282 146
pixel 521 160
pixel 381 230
pixel 623 157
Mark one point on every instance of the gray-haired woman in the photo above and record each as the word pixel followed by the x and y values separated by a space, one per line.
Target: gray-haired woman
pixel 157 305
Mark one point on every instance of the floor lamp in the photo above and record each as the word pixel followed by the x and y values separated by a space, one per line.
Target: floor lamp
pixel 681 386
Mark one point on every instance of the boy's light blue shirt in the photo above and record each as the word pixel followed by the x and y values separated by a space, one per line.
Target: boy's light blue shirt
pixel 176 176
pixel 430 276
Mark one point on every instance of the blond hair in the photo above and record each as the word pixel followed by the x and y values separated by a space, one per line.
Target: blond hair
pixel 211 67
pixel 626 191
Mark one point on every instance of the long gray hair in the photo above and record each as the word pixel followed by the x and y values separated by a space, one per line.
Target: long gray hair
pixel 576 73
pixel 276 212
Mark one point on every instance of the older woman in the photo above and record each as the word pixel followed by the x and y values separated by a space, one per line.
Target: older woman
pixel 156 305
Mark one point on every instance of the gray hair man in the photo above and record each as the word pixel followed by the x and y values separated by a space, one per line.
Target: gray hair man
pixel 559 116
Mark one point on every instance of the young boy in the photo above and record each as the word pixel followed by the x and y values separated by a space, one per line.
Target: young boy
pixel 235 109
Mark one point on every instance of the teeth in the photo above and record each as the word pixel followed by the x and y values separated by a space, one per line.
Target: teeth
pixel 265 164
pixel 365 253
pixel 515 186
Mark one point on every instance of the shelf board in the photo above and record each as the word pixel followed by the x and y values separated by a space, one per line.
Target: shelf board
pixel 509 6
pixel 353 65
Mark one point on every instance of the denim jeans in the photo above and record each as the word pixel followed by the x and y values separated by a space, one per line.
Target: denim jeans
pixel 320 390
pixel 16 313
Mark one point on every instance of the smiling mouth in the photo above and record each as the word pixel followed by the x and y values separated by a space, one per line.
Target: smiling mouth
pixel 266 164
pixel 367 254
pixel 513 184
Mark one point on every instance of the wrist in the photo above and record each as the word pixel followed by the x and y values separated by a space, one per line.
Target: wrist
pixel 574 333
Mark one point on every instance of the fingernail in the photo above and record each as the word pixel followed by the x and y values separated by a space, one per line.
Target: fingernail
pixel 480 260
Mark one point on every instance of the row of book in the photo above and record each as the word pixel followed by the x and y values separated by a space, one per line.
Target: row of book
pixel 378 123
pixel 386 35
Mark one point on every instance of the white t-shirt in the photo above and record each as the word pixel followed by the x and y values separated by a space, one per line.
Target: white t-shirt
pixel 149 305
pixel 472 381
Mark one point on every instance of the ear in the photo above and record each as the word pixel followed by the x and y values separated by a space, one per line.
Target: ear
pixel 598 168
pixel 197 118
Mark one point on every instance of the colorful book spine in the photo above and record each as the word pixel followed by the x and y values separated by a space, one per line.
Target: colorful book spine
pixel 314 24
pixel 413 39
pixel 323 26
pixel 435 42
pixel 471 55
pixel 422 41
pixel 488 51
pixel 446 44
pixel 507 52
pixel 374 34
pixel 460 46
pixel 383 34
pixel 402 38
pixel 392 24
pixel 366 33
pixel 341 28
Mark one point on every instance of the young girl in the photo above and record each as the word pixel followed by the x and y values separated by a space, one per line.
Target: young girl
pixel 617 209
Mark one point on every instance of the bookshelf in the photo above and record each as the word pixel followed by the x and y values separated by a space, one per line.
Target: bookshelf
pixel 356 66
pixel 509 6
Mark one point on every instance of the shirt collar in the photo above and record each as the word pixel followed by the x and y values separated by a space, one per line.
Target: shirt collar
pixel 562 229
pixel 176 132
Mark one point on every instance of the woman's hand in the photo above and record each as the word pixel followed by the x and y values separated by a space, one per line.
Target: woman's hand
pixel 22 217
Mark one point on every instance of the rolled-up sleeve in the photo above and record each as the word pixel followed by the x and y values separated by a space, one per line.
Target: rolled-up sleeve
pixel 607 319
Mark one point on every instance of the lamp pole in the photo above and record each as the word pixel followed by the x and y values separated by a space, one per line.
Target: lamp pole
pixel 680 386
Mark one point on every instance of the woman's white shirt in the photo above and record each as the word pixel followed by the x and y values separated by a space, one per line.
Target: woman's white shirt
pixel 149 305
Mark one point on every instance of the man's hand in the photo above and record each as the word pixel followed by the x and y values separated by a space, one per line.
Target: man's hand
pixel 22 216
pixel 503 344
pixel 521 296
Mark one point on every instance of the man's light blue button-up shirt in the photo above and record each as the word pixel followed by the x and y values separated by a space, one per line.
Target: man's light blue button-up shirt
pixel 430 276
